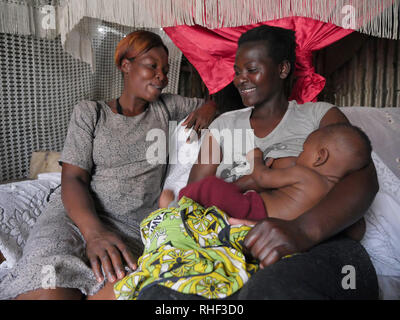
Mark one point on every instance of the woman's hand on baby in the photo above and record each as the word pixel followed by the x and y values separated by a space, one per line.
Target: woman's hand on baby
pixel 104 249
pixel 272 239
pixel 200 118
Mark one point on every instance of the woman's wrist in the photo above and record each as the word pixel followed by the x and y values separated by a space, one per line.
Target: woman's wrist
pixel 89 225
pixel 93 232
pixel 211 103
pixel 309 227
pixel 211 107
pixel 320 223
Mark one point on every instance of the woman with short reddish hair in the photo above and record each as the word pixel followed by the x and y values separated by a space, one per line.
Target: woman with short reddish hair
pixel 89 233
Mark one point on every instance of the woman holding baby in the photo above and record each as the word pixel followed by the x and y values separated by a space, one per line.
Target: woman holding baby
pixel 264 61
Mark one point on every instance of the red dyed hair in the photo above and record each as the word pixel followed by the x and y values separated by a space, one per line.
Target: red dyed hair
pixel 136 43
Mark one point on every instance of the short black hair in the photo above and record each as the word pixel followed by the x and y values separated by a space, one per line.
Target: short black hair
pixel 280 42
pixel 345 135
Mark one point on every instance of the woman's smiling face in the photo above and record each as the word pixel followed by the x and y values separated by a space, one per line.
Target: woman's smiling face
pixel 257 76
pixel 147 73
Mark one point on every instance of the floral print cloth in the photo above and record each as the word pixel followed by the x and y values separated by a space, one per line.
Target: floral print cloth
pixel 192 250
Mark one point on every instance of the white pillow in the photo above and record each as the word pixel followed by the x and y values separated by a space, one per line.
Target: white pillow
pixel 382 236
pixel 182 156
pixel 382 125
pixel 21 203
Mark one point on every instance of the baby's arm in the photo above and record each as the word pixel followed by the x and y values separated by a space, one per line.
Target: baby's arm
pixel 272 178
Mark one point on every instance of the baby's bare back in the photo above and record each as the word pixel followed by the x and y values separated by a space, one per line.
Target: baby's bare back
pixel 291 201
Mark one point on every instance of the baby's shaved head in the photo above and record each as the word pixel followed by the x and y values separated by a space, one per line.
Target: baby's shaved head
pixel 350 142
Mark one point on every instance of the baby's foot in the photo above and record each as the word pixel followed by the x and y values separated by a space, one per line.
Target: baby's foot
pixel 166 197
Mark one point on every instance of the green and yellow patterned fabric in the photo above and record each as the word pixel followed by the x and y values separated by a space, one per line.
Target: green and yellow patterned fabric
pixel 190 249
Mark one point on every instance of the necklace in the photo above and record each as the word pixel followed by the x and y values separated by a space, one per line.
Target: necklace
pixel 119 108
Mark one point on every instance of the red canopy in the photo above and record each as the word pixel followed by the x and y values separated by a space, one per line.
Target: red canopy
pixel 212 51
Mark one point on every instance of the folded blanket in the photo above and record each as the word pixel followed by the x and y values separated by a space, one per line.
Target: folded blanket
pixel 192 250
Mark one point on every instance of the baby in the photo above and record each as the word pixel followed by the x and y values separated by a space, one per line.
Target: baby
pixel 329 154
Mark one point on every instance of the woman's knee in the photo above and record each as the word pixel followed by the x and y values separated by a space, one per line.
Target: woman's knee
pixel 51 294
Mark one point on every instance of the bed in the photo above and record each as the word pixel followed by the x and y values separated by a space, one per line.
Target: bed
pixel 22 202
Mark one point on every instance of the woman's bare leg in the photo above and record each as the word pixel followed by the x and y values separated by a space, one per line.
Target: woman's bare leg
pixel 52 294
pixel 105 293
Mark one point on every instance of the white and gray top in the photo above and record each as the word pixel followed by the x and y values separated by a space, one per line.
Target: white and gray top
pixel 117 152
pixel 233 132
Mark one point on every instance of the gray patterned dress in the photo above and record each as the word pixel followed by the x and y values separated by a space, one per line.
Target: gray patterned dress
pixel 125 186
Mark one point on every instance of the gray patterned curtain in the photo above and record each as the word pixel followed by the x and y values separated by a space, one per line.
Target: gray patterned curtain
pixel 40 82
pixel 30 17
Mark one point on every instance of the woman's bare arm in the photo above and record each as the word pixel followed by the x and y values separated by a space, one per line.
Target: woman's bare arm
pixel 77 199
pixel 210 156
pixel 343 206
pixel 103 247
pixel 334 115
pixel 272 239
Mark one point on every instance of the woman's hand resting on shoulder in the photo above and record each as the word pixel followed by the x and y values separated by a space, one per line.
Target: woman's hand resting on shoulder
pixel 105 250
pixel 272 239
pixel 200 118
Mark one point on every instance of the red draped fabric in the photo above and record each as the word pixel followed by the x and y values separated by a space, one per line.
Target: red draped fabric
pixel 212 52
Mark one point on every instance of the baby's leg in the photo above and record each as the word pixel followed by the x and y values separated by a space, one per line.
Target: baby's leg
pixel 213 191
